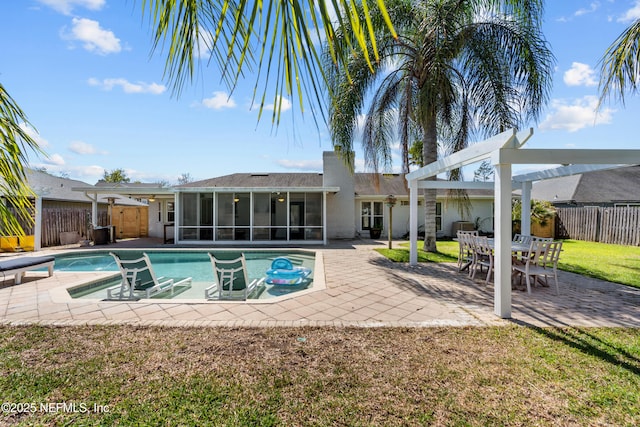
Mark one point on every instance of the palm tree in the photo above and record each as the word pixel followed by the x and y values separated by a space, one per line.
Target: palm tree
pixel 277 38
pixel 620 65
pixel 457 68
pixel 14 142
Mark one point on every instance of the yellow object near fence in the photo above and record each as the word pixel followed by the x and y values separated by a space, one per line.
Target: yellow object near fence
pixel 27 243
pixel 9 244
pixel 17 244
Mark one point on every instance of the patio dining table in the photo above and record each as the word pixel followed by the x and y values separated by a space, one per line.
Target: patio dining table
pixel 516 247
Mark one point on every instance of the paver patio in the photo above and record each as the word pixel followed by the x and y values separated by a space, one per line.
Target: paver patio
pixel 362 289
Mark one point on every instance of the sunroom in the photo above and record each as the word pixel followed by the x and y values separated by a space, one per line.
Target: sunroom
pixel 257 215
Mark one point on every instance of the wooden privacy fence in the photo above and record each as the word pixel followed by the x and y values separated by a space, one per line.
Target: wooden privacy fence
pixel 60 220
pixel 618 225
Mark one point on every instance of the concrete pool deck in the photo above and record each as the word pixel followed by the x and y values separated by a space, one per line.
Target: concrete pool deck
pixel 362 288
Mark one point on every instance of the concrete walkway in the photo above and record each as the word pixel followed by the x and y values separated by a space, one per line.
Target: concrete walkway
pixel 362 289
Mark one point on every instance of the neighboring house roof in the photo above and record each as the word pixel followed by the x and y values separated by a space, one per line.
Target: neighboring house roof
pixel 61 189
pixel 606 186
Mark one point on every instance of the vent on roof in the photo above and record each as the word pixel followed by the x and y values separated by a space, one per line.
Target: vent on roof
pixel 259 174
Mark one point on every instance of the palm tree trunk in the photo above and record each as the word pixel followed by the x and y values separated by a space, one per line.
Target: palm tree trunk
pixel 429 155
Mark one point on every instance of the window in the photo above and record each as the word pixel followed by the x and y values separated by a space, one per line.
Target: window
pixel 371 214
pixel 438 216
pixel 171 212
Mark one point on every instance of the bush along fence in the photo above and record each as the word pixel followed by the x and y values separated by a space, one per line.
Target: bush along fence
pixel 617 225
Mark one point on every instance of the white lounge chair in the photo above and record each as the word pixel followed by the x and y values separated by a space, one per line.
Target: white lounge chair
pixel 231 278
pixel 17 267
pixel 139 279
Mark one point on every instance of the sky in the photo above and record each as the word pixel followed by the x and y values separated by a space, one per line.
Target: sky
pixel 84 73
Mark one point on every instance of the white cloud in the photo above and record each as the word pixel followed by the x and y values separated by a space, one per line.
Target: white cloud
pixel 83 148
pixel 305 165
pixel 631 14
pixel 584 11
pixel 67 6
pixel 573 116
pixel 580 75
pixel 94 38
pixel 127 86
pixel 42 143
pixel 55 159
pixel 91 173
pixel 204 44
pixel 218 101
pixel 283 103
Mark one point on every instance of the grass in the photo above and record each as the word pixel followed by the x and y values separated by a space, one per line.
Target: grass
pixel 321 376
pixel 615 263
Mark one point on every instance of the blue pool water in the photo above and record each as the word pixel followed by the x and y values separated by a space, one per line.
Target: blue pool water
pixel 179 264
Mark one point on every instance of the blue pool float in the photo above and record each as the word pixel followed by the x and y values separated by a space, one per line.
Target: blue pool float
pixel 282 272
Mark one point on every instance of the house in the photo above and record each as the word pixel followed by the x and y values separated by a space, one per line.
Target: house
pixel 281 208
pixel 606 188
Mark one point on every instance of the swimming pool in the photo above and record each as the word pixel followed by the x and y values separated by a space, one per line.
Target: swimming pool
pixel 180 264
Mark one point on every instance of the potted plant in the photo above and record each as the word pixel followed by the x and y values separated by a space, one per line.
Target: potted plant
pixel 375 232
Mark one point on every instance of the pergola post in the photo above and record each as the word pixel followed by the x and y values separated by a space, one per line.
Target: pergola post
pixel 37 238
pixel 525 213
pixel 502 267
pixel 413 222
pixel 94 210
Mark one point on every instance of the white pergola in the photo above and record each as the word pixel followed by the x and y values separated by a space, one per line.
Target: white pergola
pixel 505 150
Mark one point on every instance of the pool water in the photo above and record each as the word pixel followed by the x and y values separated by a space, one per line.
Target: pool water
pixel 180 264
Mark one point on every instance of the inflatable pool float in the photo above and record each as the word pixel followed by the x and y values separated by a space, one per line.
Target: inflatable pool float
pixel 282 272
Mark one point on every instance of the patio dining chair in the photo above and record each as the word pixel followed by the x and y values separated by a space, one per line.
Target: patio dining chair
pixel 465 246
pixel 522 239
pixel 542 261
pixel 483 257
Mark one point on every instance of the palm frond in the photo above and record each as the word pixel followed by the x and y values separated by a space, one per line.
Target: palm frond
pixel 15 143
pixel 278 33
pixel 620 65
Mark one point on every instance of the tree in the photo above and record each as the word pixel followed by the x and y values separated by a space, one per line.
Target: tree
pixel 15 142
pixel 620 65
pixel 277 37
pixel 116 176
pixel 185 178
pixel 484 173
pixel 457 68
pixel 541 211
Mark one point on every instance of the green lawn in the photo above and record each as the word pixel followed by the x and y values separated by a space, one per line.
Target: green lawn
pixel 615 263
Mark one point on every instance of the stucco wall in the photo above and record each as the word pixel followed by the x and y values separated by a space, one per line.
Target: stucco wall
pixel 481 208
pixel 340 205
pixel 156 226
